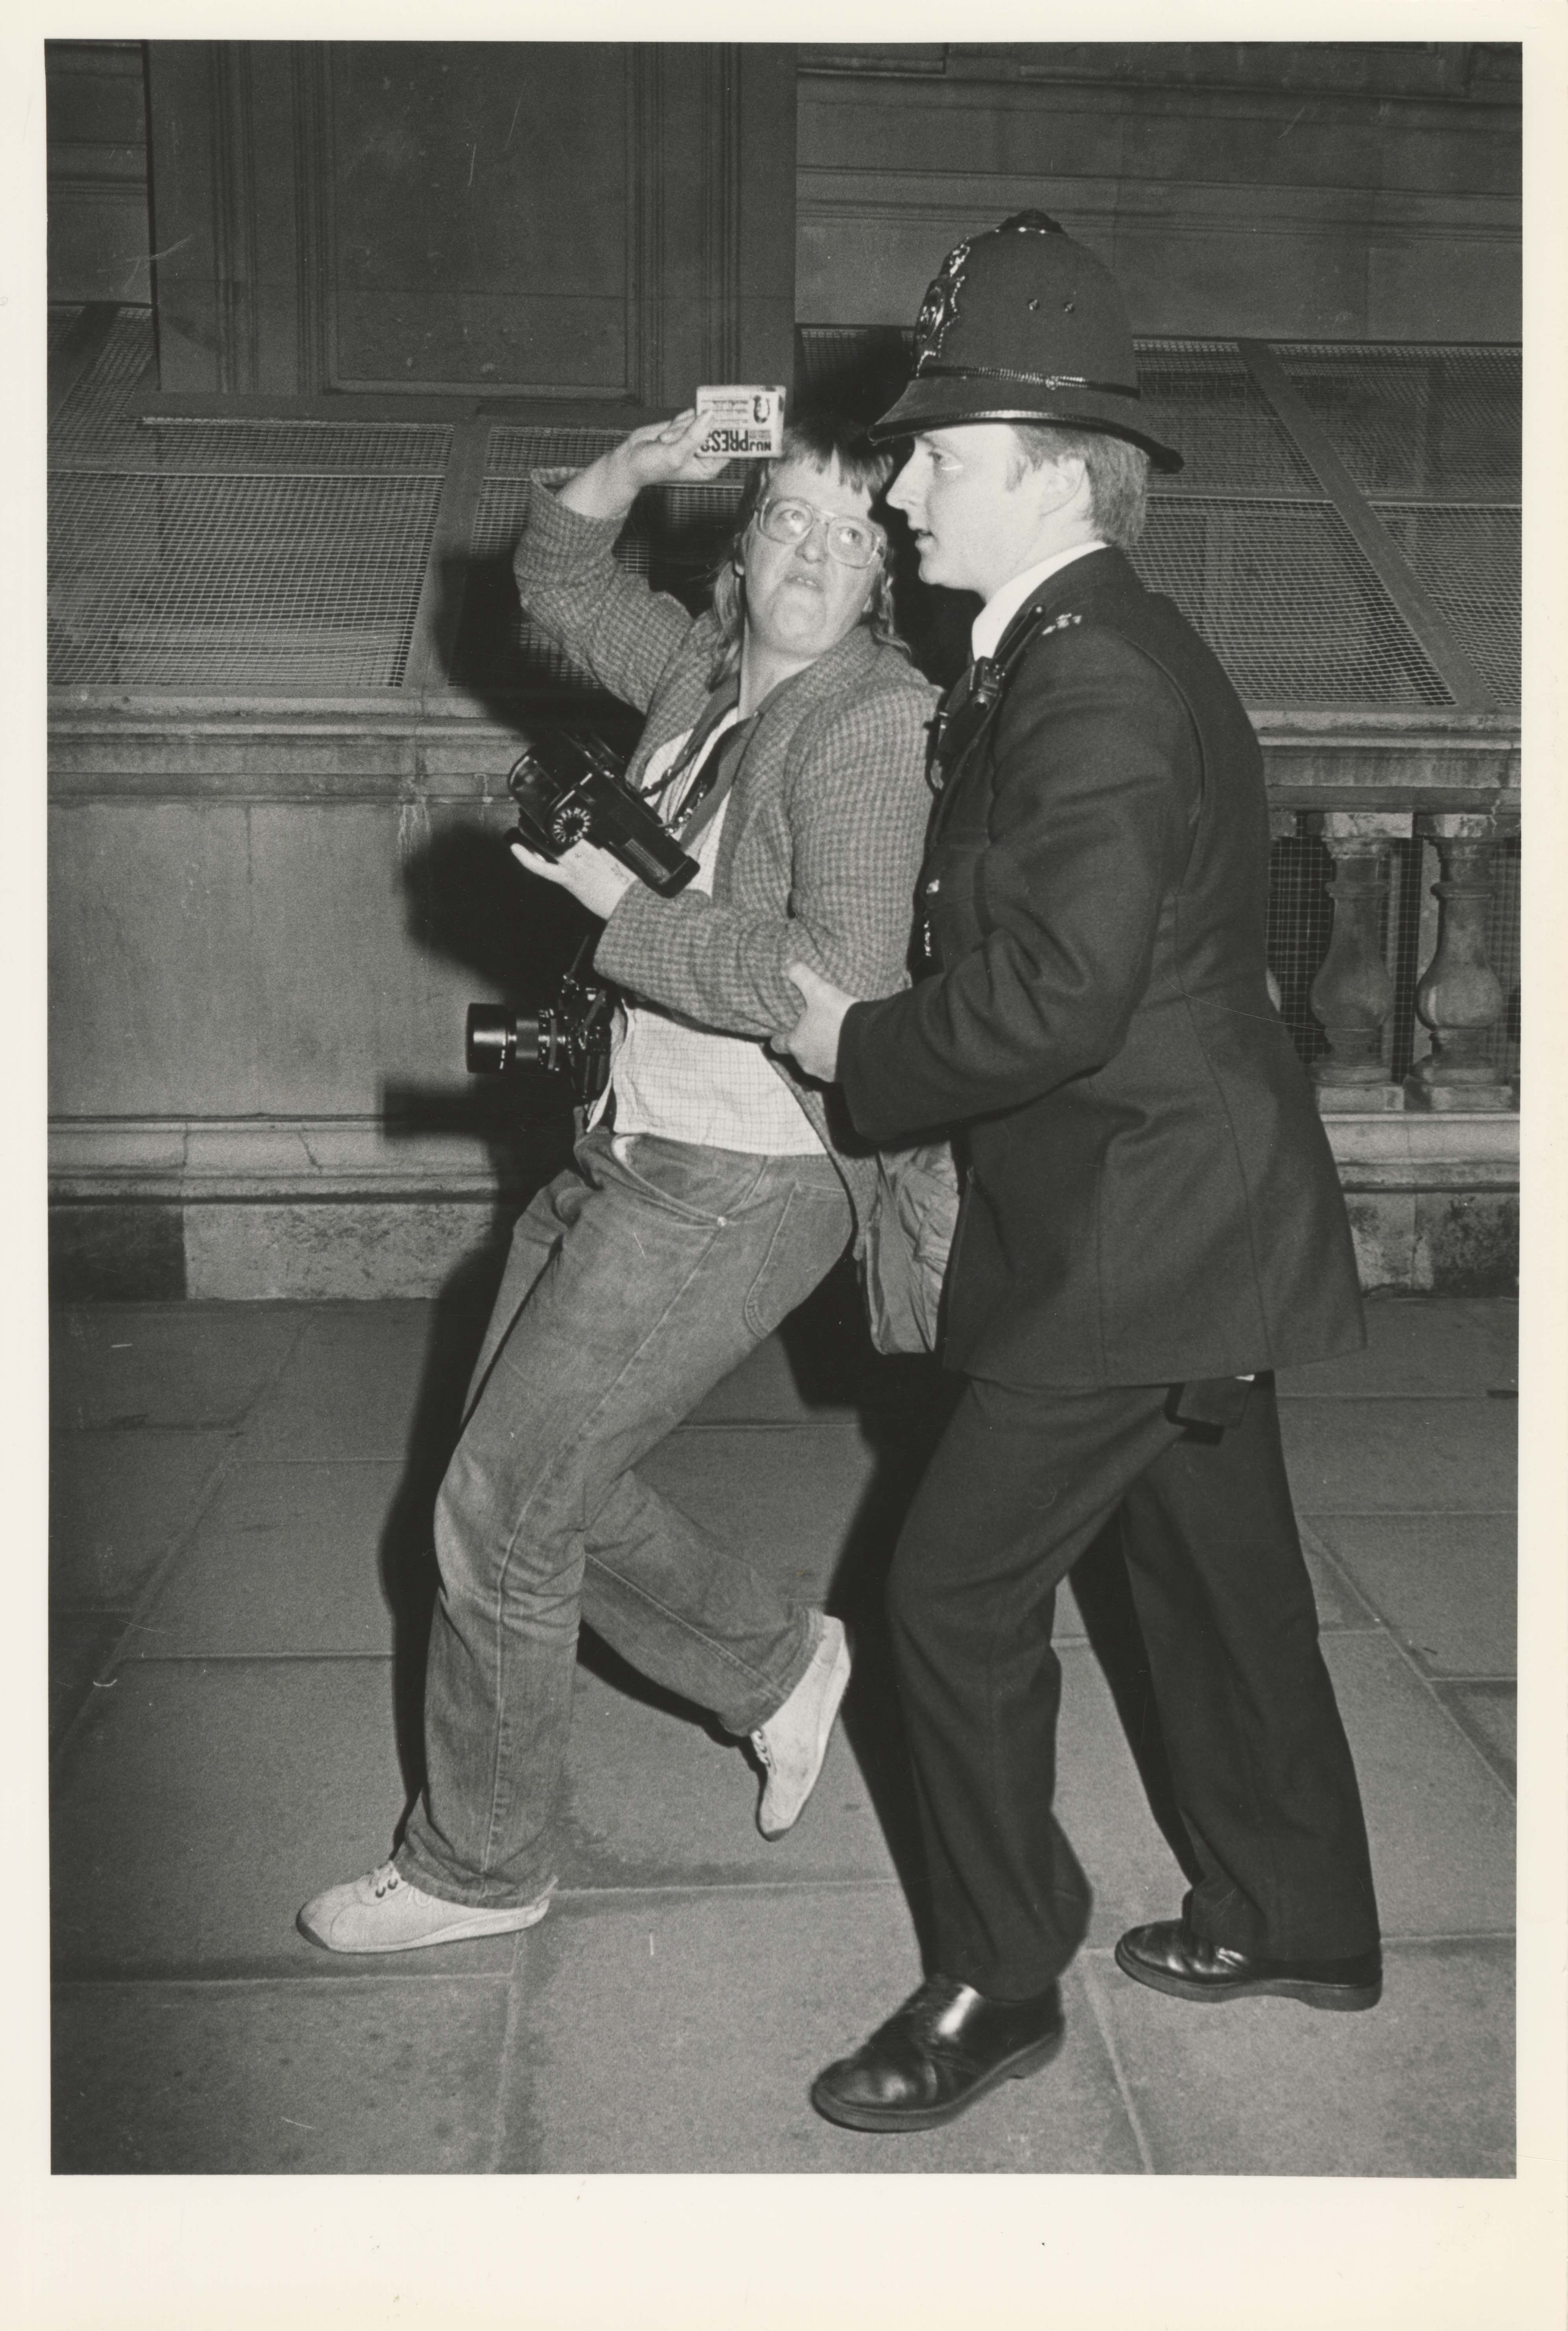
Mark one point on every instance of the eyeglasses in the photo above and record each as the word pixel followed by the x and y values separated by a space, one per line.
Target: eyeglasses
pixel 852 541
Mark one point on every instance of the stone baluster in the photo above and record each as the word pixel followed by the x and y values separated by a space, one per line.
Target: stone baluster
pixel 1459 997
pixel 1353 993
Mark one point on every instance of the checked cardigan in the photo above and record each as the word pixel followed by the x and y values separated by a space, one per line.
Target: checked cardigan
pixel 823 833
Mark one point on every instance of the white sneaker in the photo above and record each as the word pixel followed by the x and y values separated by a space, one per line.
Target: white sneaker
pixel 794 1741
pixel 384 1911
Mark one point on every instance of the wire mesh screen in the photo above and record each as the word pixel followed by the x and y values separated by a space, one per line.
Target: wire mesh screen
pixel 1286 599
pixel 1301 924
pixel 307 583
pixel 1198 396
pixel 94 421
pixel 63 321
pixel 1442 425
pixel 855 369
pixel 675 536
pixel 1414 928
pixel 249 555
pixel 1245 539
pixel 248 448
pixel 1468 557
pixel 1503 953
pixel 515 449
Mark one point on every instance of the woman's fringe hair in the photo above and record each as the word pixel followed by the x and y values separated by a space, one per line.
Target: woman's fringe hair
pixel 822 440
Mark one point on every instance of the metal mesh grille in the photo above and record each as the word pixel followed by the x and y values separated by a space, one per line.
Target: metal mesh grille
pixel 858 370
pixel 1284 597
pixel 61 321
pixel 1468 557
pixel 252 448
pixel 94 423
pixel 1442 425
pixel 513 451
pixel 499 645
pixel 1503 952
pixel 1244 538
pixel 231 554
pixel 1198 396
pixel 299 583
pixel 1301 922
pixel 674 537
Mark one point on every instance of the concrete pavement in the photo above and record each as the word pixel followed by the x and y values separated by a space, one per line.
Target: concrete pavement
pixel 240 1588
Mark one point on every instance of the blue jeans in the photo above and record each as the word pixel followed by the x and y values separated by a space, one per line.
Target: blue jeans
pixel 634 1284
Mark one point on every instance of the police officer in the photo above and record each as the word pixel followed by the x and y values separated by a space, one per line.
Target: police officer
pixel 1151 1222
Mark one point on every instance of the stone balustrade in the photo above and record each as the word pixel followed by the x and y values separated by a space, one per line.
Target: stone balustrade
pixel 1459 999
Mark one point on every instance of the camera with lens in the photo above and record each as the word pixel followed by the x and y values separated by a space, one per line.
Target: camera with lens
pixel 571 1037
pixel 569 786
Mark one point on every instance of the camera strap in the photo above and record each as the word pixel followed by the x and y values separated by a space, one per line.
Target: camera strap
pixel 715 770
pixel 712 783
pixel 723 700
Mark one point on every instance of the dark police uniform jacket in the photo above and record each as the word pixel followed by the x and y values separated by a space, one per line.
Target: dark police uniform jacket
pixel 1150 1197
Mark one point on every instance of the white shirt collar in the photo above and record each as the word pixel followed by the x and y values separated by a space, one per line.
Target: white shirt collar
pixel 1003 605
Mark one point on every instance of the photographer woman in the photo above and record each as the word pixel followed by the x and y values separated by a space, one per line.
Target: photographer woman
pixel 785 742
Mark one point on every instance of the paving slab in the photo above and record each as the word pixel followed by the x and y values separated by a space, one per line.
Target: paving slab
pixel 206 1801
pixel 1423 1344
pixel 1420 2087
pixel 724 2009
pixel 165 1364
pixel 1445 1583
pixel 119 1502
pixel 287 1559
pixel 654 1798
pixel 1400 1456
pixel 352 1386
pixel 81 1643
pixel 1489 1714
pixel 263 2079
pixel 1441 1824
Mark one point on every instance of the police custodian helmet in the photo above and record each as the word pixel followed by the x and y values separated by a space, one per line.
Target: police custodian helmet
pixel 1024 323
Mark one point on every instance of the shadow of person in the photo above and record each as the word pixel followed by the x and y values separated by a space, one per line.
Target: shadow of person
pixel 407 1549
pixel 469 903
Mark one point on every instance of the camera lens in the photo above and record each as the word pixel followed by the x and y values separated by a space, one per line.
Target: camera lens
pixel 570 824
pixel 498 1039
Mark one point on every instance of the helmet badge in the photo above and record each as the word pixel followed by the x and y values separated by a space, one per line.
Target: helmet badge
pixel 939 308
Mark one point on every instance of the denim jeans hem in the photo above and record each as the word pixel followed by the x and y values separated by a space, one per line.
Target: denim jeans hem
pixel 481 1895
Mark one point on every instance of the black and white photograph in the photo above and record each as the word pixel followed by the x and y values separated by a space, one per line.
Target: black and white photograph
pixel 785 1017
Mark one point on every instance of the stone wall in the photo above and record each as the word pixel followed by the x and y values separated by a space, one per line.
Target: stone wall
pixel 1283 191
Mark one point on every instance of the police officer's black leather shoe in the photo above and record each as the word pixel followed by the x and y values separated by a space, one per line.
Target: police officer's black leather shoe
pixel 946 2046
pixel 1168 1956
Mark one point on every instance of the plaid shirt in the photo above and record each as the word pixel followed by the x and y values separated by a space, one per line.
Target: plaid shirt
pixel 823 833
